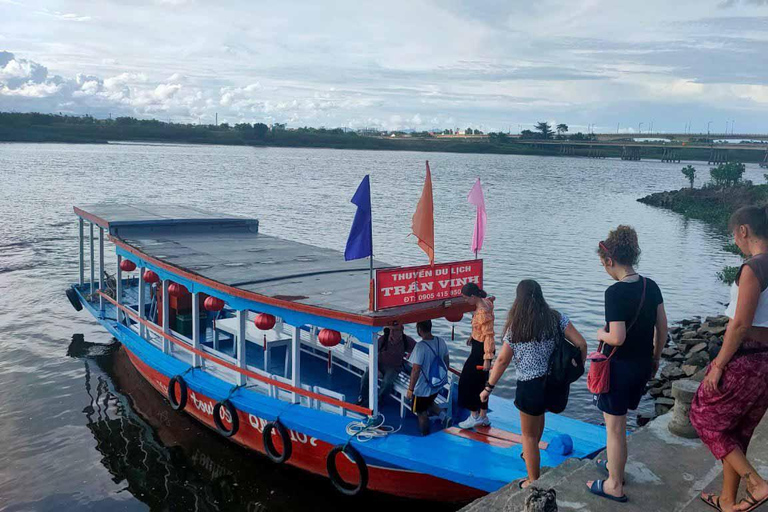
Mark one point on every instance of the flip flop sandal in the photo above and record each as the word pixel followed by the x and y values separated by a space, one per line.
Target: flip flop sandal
pixel 752 502
pixel 603 464
pixel 597 489
pixel 713 500
pixel 521 482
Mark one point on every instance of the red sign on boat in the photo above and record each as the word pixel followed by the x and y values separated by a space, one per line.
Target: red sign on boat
pixel 412 285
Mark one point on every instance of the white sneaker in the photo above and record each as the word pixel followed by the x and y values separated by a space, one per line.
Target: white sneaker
pixel 484 422
pixel 470 422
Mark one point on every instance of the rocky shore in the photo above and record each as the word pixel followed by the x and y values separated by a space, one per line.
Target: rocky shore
pixel 692 345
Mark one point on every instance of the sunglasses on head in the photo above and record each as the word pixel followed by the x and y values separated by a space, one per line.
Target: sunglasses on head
pixel 605 249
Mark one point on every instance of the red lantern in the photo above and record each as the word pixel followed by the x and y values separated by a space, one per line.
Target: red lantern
pixel 213 304
pixel 177 290
pixel 127 266
pixel 329 337
pixel 150 277
pixel 454 316
pixel 264 322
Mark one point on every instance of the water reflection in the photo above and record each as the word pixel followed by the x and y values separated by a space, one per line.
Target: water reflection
pixel 170 462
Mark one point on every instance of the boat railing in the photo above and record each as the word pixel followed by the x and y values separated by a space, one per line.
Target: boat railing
pixel 218 359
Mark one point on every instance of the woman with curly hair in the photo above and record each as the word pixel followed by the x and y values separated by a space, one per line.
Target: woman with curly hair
pixel 634 335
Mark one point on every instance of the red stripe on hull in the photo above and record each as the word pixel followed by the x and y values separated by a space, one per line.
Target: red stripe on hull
pixel 310 453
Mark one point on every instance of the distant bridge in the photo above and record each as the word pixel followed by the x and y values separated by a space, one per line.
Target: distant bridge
pixel 682 137
pixel 664 151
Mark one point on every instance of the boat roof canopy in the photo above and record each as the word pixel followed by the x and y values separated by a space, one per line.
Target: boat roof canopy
pixel 229 253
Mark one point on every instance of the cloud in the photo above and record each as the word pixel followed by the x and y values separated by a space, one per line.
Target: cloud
pixel 64 16
pixel 393 65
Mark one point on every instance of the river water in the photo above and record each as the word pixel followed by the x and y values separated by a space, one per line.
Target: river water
pixel 79 430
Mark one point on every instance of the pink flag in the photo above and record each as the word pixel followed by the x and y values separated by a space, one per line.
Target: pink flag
pixel 476 198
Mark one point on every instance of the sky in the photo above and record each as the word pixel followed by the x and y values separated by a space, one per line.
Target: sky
pixel 493 65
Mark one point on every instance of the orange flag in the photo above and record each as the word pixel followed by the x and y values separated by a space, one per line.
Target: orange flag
pixel 424 219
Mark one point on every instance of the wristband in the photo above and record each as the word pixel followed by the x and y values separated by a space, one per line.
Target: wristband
pixel 489 385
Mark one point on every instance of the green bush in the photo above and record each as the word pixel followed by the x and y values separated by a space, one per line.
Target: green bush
pixel 728 174
pixel 728 274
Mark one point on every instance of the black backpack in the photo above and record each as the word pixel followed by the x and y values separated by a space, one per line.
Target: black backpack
pixel 565 364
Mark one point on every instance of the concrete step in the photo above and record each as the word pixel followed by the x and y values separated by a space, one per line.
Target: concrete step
pixel 664 473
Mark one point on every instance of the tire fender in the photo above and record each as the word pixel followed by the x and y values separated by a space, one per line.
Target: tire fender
pixel 177 406
pixel 333 472
pixel 269 446
pixel 223 430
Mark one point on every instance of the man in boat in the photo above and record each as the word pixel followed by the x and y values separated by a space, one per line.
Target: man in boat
pixel 429 374
pixel 394 345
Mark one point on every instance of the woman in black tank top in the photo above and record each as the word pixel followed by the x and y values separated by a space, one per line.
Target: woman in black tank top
pixel 634 335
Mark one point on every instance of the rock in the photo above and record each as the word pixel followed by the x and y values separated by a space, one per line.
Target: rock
pixel 698 347
pixel 672 372
pixel 663 405
pixel 669 352
pixel 656 392
pixel 699 376
pixel 688 335
pixel 717 321
pixel 644 418
pixel 667 393
pixel 679 358
pixel 690 342
pixel 689 370
pixel 713 350
pixel 698 359
pixel 714 330
pixel 691 322
pixel 673 331
pixel 653 383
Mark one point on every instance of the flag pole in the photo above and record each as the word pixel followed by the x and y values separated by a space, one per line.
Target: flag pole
pixel 371 287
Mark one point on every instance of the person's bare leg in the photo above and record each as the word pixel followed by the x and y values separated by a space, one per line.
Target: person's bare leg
pixel 531 427
pixel 756 485
pixel 616 449
pixel 423 423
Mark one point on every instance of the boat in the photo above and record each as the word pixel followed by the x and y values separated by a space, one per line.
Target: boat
pixel 266 340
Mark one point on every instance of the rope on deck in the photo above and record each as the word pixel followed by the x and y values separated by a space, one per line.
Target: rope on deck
pixel 371 428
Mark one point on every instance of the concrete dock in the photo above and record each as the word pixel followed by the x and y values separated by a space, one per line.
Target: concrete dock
pixel 664 473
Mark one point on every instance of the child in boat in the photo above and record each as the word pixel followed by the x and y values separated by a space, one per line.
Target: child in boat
pixel 425 355
pixel 474 375
pixel 530 333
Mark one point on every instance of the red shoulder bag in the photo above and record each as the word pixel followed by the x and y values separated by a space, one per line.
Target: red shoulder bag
pixel 599 376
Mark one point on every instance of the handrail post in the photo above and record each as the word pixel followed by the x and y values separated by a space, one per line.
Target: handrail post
pixel 166 320
pixel 142 303
pixel 92 265
pixel 101 270
pixel 81 240
pixel 197 360
pixel 295 359
pixel 242 318
pixel 119 290
pixel 373 375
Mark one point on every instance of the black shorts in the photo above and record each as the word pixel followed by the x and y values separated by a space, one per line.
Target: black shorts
pixel 628 380
pixel 423 403
pixel 534 397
